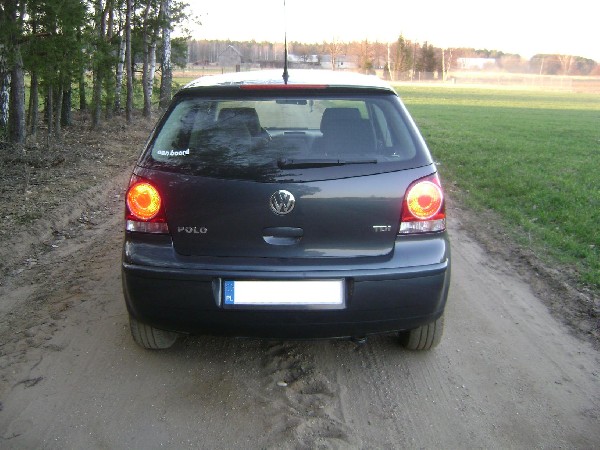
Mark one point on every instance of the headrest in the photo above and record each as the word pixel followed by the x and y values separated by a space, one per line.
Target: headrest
pixel 339 118
pixel 246 116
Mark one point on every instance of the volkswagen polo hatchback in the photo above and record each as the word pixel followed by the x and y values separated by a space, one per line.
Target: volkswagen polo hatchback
pixel 306 209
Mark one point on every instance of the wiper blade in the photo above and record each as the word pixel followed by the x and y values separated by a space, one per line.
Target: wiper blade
pixel 315 163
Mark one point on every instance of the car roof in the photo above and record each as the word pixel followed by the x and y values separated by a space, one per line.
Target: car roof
pixel 297 78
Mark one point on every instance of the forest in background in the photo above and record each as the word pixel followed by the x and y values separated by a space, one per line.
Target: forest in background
pixel 99 56
pixel 398 59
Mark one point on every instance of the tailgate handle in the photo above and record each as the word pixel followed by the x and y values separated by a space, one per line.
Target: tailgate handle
pixel 282 235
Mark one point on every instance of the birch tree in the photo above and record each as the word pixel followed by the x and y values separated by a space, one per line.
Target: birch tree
pixel 149 31
pixel 11 23
pixel 166 79
pixel 566 62
pixel 4 91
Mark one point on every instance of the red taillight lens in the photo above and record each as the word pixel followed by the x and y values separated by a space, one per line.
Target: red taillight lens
pixel 143 201
pixel 424 200
pixel 423 210
pixel 144 208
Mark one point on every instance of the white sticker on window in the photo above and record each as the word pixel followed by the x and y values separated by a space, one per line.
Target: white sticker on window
pixel 173 152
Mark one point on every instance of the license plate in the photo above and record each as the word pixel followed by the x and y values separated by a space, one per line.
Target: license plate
pixel 284 293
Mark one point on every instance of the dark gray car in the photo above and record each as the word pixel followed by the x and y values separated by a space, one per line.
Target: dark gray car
pixel 306 209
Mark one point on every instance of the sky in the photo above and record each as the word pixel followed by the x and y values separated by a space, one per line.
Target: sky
pixel 525 27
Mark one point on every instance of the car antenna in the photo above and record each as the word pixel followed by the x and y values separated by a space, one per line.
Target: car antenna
pixel 285 75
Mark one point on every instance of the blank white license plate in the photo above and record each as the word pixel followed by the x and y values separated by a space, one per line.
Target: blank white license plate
pixel 310 292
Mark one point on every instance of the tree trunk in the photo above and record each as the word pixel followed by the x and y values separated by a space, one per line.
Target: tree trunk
pixel 151 74
pixel 146 83
pixel 97 98
pixel 58 102
pixel 444 74
pixel 4 76
pixel 128 62
pixel 119 74
pixel 16 99
pixel 16 115
pixel 34 104
pixel 48 112
pixel 166 79
pixel 82 96
pixel 98 69
pixel 152 64
pixel 66 119
pixel 109 86
pixel 4 93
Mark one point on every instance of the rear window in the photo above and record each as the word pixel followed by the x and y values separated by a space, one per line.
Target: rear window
pixel 227 137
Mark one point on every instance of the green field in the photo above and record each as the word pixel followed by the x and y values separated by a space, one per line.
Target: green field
pixel 533 157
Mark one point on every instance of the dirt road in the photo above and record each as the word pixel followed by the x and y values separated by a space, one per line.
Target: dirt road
pixel 507 374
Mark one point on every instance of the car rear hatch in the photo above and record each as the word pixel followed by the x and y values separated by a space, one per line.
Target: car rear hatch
pixel 313 173
pixel 347 217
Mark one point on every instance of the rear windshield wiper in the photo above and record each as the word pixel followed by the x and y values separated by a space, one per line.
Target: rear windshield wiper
pixel 315 163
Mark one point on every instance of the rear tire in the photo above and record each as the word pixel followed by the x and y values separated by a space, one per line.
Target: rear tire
pixel 424 337
pixel 150 337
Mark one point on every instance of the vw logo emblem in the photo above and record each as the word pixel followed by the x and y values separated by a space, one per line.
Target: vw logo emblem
pixel 282 202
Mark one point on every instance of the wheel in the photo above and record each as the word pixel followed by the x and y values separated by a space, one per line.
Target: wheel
pixel 424 337
pixel 150 337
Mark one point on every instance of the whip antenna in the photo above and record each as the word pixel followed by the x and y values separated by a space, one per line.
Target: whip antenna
pixel 285 75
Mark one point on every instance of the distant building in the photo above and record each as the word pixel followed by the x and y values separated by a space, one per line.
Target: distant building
pixel 342 62
pixel 230 57
pixel 304 59
pixel 475 63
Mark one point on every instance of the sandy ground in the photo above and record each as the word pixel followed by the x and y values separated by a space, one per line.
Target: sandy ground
pixel 510 372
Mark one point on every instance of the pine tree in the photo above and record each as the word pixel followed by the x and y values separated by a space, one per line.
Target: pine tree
pixel 129 61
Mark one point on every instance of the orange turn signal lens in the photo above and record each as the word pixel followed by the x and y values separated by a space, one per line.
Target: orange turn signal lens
pixel 425 200
pixel 143 201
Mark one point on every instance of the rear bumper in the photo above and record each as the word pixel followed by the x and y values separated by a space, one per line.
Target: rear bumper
pixel 185 294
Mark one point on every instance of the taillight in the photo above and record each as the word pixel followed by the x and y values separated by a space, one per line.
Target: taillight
pixel 143 201
pixel 144 208
pixel 423 210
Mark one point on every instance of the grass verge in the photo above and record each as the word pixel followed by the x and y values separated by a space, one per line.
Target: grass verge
pixel 533 157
